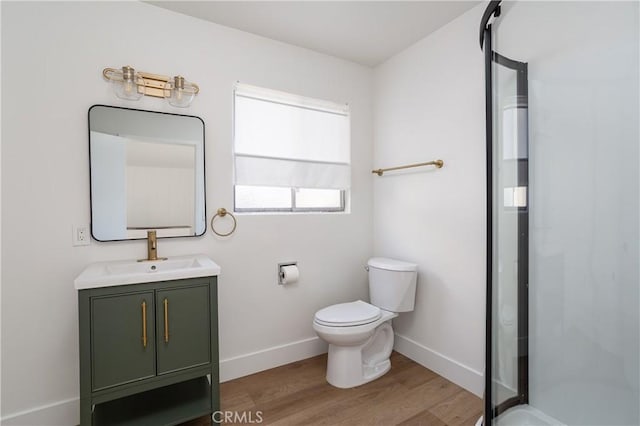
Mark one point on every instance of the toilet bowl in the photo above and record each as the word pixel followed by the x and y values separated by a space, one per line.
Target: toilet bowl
pixel 359 334
pixel 358 350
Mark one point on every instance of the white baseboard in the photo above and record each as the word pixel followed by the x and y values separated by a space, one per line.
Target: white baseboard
pixel 450 369
pixel 67 412
pixel 61 413
pixel 243 365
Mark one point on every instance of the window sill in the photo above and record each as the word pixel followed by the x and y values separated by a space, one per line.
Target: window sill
pixel 289 213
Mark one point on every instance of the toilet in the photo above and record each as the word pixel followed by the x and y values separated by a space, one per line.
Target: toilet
pixel 359 334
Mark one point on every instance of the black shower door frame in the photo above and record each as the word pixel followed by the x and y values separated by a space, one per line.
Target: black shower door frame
pixel 490 410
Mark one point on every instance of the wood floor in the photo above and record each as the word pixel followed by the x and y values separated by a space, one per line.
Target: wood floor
pixel 298 394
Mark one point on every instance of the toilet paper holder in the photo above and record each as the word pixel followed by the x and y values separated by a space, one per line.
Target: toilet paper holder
pixel 281 272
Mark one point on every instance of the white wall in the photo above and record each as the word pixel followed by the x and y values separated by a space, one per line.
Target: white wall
pixel 429 104
pixel 52 58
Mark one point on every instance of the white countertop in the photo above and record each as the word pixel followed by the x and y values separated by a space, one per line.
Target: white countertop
pixel 122 272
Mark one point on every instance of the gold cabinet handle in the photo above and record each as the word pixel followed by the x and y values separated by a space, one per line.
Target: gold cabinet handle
pixel 166 320
pixel 144 324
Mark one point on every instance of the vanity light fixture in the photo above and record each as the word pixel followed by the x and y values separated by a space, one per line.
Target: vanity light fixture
pixel 131 85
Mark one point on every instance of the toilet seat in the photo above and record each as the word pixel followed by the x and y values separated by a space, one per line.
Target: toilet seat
pixel 348 314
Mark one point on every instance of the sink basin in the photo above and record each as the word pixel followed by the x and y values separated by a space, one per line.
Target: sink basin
pixel 120 268
pixel 106 274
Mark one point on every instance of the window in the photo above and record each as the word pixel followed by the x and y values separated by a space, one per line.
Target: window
pixel 291 153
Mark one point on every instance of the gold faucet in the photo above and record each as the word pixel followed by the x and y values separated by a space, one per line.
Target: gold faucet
pixel 152 247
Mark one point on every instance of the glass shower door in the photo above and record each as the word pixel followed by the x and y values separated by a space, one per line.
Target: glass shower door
pixel 510 233
pixel 563 185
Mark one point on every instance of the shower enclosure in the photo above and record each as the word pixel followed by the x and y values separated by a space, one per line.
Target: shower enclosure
pixel 563 330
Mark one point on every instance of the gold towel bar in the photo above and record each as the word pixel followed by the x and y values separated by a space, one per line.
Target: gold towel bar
pixel 437 163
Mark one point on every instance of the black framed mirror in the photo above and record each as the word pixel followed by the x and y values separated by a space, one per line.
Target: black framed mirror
pixel 147 173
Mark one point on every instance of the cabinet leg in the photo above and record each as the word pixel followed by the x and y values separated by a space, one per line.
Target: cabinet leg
pixel 85 412
pixel 215 393
pixel 215 399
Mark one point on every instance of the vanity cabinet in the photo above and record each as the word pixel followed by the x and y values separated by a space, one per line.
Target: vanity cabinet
pixel 149 352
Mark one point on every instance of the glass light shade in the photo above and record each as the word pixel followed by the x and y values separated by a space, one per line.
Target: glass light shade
pixel 125 84
pixel 180 93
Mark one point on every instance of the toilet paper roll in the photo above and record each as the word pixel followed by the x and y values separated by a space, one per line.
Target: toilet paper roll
pixel 289 274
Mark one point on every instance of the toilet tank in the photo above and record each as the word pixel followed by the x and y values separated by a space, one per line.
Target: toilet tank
pixel 392 284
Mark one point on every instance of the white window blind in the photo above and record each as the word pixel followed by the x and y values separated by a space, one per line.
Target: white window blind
pixel 284 140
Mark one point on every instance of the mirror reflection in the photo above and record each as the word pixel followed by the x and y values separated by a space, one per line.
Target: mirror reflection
pixel 147 173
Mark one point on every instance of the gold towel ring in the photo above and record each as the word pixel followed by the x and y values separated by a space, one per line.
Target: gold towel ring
pixel 222 212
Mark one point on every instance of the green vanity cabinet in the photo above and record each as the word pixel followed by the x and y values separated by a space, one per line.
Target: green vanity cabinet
pixel 149 352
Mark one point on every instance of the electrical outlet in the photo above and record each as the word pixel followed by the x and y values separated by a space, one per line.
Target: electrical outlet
pixel 81 235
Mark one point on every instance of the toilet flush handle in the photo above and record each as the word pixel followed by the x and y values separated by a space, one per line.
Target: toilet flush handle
pixel 366 268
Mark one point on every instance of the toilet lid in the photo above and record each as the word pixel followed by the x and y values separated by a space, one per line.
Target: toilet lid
pixel 348 314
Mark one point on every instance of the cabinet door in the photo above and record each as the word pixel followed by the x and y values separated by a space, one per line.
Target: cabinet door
pixel 122 339
pixel 183 327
